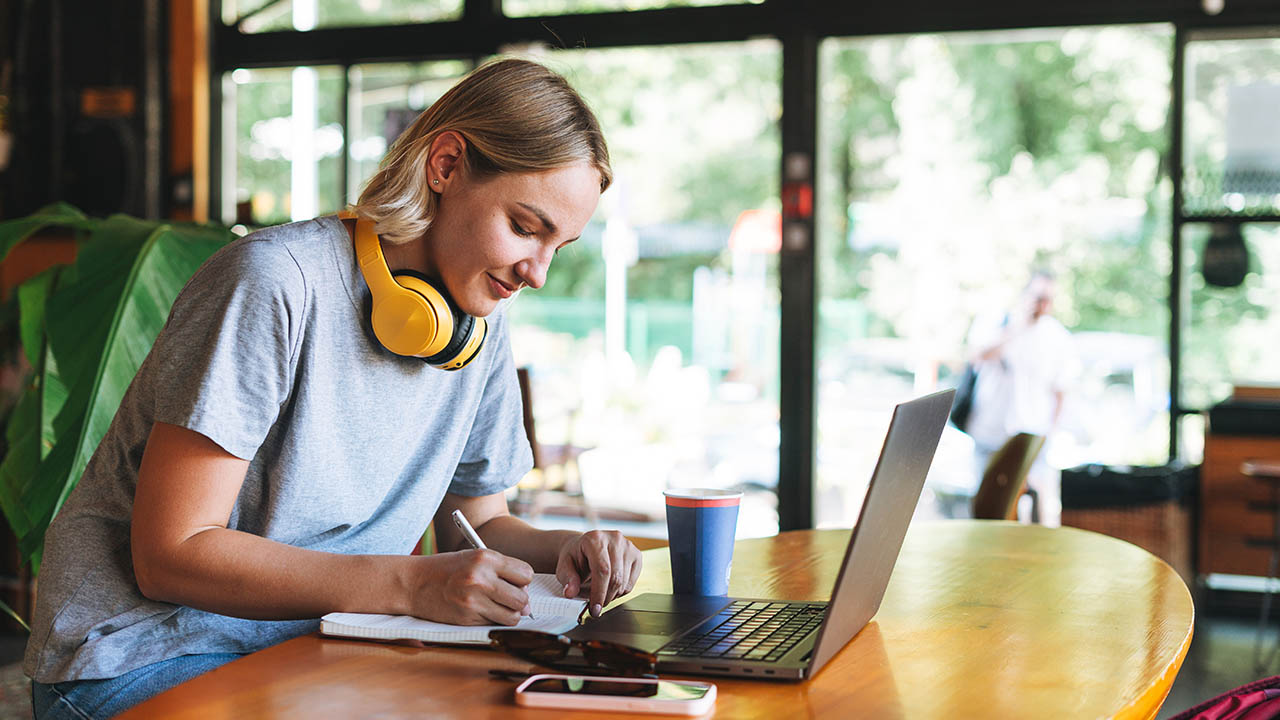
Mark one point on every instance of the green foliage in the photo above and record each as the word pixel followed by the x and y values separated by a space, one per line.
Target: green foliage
pixel 669 169
pixel 1213 68
pixel 576 272
pixel 1044 134
pixel 1229 332
pixel 264 109
pixel 85 329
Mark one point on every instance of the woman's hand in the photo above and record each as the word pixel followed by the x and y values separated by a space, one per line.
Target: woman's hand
pixel 472 587
pixel 605 560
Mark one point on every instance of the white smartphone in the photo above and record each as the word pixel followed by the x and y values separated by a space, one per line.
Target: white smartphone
pixel 640 695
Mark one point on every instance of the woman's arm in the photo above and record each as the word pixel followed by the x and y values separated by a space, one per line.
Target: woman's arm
pixel 184 553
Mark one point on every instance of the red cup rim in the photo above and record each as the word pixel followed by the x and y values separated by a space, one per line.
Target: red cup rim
pixel 701 497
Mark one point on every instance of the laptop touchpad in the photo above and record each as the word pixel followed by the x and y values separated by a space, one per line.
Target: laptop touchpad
pixel 643 622
pixel 646 630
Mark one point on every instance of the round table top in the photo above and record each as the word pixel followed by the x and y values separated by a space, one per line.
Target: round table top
pixel 987 619
pixel 981 619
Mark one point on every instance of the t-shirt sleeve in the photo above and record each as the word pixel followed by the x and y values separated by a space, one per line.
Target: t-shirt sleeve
pixel 224 361
pixel 497 453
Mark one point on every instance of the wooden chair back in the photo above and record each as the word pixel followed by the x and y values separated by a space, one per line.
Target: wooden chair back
pixel 522 374
pixel 1005 478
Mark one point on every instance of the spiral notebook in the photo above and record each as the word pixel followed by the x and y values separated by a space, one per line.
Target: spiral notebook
pixel 552 612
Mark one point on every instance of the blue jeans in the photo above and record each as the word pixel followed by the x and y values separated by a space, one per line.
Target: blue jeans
pixel 93 699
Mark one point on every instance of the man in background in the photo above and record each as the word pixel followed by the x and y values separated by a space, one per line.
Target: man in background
pixel 1025 362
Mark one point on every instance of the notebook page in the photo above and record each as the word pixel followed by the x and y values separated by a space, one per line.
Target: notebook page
pixel 403 627
pixel 552 613
pixel 546 597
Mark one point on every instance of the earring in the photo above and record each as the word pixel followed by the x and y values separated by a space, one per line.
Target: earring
pixel 435 182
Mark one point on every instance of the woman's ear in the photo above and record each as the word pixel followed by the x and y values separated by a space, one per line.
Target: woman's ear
pixel 444 161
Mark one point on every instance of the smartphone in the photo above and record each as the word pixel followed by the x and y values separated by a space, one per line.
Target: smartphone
pixel 639 695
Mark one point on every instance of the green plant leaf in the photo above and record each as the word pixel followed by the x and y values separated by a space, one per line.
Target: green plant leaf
pixel 53 395
pixel 32 296
pixel 29 427
pixel 59 214
pixel 101 320
pixel 22 460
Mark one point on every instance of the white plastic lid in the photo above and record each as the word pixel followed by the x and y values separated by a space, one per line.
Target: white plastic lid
pixel 702 493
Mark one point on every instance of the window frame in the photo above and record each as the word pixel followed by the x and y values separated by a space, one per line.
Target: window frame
pixel 799 25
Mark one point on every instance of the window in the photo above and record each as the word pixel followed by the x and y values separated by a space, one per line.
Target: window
pixel 255 16
pixel 950 167
pixel 384 99
pixel 657 331
pixel 1230 207
pixel 1230 333
pixel 282 144
pixel 1231 153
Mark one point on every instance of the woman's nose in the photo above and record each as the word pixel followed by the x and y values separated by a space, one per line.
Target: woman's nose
pixel 533 270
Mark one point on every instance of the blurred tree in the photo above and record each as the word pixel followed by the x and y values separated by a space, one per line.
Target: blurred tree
pixel 264 153
pixel 998 156
pixel 693 137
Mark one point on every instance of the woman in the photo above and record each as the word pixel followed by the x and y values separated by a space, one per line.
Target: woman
pixel 274 460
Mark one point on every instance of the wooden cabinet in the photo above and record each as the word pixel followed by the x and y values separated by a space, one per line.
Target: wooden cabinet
pixel 1237 512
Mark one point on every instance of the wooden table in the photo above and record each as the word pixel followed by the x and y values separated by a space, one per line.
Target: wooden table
pixel 982 619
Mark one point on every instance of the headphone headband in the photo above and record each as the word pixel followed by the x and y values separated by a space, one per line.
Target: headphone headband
pixel 373 265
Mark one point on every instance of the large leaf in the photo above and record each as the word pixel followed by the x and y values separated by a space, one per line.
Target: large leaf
pixel 101 321
pixel 32 296
pixel 53 395
pixel 22 461
pixel 29 427
pixel 15 231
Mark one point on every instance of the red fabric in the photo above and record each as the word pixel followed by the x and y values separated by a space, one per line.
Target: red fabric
pixel 1259 700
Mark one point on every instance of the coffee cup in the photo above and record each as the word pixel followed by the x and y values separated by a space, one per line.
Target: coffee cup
pixel 701 525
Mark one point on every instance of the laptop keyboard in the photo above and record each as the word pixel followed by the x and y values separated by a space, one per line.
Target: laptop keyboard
pixel 748 630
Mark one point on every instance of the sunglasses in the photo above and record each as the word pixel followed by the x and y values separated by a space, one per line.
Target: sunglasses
pixel 598 657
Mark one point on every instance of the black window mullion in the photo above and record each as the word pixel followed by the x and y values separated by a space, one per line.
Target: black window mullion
pixel 797 287
pixel 212 24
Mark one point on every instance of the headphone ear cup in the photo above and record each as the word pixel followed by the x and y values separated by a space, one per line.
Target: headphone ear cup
pixel 460 336
pixel 413 321
pixel 468 337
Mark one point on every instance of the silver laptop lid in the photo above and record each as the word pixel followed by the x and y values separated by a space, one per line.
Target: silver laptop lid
pixel 894 491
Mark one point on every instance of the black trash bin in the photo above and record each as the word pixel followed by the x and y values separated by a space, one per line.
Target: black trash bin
pixel 1149 506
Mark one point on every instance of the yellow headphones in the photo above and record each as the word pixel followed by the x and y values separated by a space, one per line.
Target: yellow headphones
pixel 411 316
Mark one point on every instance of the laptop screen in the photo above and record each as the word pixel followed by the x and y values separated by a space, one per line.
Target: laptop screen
pixel 894 491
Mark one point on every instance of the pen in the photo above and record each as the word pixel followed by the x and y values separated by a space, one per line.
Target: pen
pixel 472 537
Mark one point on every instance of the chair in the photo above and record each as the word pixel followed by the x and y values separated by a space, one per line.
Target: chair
pixel 560 460
pixel 1005 477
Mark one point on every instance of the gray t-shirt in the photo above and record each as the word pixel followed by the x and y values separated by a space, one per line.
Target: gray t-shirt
pixel 268 352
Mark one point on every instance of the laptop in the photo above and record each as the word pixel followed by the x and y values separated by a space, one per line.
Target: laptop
pixel 782 640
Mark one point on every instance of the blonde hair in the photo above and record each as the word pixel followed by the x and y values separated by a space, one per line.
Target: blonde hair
pixel 516 116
